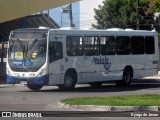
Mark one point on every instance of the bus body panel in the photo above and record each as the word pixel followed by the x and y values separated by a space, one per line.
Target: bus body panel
pixel 56 72
pixel 108 71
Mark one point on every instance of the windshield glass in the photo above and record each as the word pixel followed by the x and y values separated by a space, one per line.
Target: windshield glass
pixel 27 53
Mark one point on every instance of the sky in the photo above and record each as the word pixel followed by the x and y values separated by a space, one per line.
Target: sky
pixel 87 13
pixel 56 15
pixel 83 14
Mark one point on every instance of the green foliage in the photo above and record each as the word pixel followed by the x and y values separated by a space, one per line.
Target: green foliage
pixel 121 14
pixel 156 6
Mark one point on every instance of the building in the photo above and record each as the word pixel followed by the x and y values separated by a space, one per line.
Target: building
pixel 12 9
pixel 150 5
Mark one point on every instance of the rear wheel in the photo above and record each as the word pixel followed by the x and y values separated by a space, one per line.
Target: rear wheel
pixel 69 82
pixel 34 87
pixel 126 79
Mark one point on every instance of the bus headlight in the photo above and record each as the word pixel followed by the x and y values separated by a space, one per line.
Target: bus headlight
pixel 8 72
pixel 43 71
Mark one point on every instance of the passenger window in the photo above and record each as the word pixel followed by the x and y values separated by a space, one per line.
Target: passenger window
pixel 137 45
pixel 55 51
pixel 74 46
pixel 92 46
pixel 123 45
pixel 149 45
pixel 108 45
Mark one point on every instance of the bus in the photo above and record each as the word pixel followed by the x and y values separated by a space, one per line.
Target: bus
pixel 3 58
pixel 65 57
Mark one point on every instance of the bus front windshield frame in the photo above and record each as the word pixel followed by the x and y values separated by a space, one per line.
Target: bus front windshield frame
pixel 27 54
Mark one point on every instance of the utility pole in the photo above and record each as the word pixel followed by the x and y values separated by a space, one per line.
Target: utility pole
pixel 71 17
pixel 68 10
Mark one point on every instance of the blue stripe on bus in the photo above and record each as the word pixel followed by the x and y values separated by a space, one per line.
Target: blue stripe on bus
pixel 10 80
pixel 33 80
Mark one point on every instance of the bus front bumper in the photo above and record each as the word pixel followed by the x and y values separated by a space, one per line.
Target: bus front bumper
pixel 42 80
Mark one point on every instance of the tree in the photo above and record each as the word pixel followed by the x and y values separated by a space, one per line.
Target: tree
pixel 121 14
pixel 156 6
pixel 156 9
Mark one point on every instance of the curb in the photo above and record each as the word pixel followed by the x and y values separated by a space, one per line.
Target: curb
pixel 8 85
pixel 148 80
pixel 151 79
pixel 110 108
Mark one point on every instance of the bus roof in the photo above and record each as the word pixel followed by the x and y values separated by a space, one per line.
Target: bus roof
pixel 110 32
pixel 95 32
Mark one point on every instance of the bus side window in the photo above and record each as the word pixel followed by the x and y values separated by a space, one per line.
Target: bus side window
pixel 74 45
pixel 55 51
pixel 149 45
pixel 137 45
pixel 123 45
pixel 108 45
pixel 92 45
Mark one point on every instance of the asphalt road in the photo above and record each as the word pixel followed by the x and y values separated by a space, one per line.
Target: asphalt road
pixel 20 98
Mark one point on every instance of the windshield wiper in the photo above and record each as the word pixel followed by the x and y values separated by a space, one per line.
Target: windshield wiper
pixel 33 44
pixel 29 48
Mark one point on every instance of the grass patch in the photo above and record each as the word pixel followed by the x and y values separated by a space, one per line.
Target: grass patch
pixel 130 100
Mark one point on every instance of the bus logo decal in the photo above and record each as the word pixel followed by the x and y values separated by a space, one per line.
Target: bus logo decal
pixel 102 61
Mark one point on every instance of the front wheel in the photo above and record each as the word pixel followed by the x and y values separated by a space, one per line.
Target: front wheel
pixel 34 87
pixel 126 79
pixel 69 82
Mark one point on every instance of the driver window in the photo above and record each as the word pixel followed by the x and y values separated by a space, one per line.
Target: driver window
pixel 55 51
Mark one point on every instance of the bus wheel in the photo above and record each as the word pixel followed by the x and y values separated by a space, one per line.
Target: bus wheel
pixel 34 87
pixel 126 79
pixel 95 84
pixel 69 82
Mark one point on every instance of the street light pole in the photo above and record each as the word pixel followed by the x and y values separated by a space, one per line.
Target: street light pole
pixel 71 17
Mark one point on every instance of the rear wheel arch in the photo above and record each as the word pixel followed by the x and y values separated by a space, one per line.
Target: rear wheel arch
pixel 127 76
pixel 129 69
pixel 73 72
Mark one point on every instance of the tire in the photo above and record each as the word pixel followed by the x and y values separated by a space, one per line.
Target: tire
pixel 69 82
pixel 34 87
pixel 126 79
pixel 96 84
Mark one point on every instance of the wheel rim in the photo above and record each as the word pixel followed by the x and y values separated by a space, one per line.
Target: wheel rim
pixel 68 82
pixel 127 77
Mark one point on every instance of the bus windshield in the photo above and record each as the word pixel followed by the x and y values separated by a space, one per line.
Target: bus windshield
pixel 27 53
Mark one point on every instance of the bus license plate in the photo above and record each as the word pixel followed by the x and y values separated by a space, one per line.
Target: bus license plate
pixel 23 82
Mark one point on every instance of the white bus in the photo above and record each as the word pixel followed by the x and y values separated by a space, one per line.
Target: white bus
pixel 61 57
